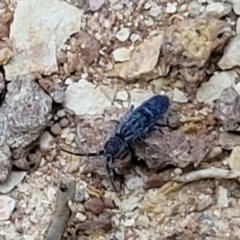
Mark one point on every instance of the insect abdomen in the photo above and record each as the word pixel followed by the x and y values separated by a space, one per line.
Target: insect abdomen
pixel 140 120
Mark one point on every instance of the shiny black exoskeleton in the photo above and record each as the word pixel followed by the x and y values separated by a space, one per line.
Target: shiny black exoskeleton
pixel 135 126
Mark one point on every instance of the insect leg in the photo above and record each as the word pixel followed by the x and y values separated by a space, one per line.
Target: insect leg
pixel 115 121
pixel 131 108
pixel 156 128
pixel 111 176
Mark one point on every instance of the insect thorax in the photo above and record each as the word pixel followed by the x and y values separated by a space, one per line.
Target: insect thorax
pixel 114 146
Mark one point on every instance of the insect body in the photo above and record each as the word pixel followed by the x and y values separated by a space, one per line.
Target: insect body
pixel 135 126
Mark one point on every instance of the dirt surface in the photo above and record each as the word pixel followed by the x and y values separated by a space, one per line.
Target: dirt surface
pixel 70 70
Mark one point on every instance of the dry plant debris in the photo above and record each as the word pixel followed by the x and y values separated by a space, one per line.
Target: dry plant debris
pixel 62 215
pixel 70 71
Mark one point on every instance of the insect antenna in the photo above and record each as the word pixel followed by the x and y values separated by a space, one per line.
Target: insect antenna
pixel 82 154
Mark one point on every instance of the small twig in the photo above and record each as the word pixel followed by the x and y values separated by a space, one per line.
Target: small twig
pixel 62 214
pixel 207 173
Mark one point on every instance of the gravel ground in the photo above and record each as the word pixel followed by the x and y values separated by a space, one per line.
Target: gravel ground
pixel 89 62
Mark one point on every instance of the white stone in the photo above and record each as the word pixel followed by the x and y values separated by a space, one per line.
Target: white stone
pixel 51 193
pixel 95 5
pixel 217 213
pixel 81 217
pixel 222 200
pixel 149 22
pixel 194 8
pixel 171 8
pixel 234 159
pixel 134 183
pixel 84 98
pixel 211 90
pixel 138 96
pixel 123 34
pixel 122 95
pixel 238 26
pixel 38 35
pixel 155 10
pixel 7 205
pixel 33 219
pixel 46 141
pixel 237 88
pixel 135 37
pixel 143 221
pixel 128 222
pixel 65 132
pixel 69 138
pixel 117 6
pixel 215 7
pixel 40 211
pixel 12 181
pixel 179 96
pixel 68 81
pixel 120 235
pixel 231 56
pixel 147 5
pixel 121 54
pixel 129 204
pixel 236 7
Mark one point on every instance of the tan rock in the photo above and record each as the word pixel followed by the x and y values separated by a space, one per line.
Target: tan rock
pixel 234 160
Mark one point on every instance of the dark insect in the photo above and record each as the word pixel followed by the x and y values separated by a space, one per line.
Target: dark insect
pixel 137 123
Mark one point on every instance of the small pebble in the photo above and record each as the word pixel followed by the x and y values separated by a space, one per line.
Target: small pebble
pixel 238 27
pixel 95 205
pixel 217 213
pixel 95 5
pixel 194 9
pixel 171 8
pixel 80 196
pixel 33 219
pixel 7 205
pixel 64 122
pixel 236 7
pixel 51 193
pixel 128 222
pixel 147 5
pixel 80 217
pixel 134 183
pixel 215 7
pixel 121 54
pixel 129 204
pixel 222 200
pixel 40 211
pixel 69 139
pixel 123 34
pixel 68 81
pixel 143 221
pixel 179 96
pixel 65 132
pixel 135 37
pixel 155 10
pixel 56 129
pixel 46 141
pixel 61 113
pixel 122 95
pixel 120 235
pixel 178 171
